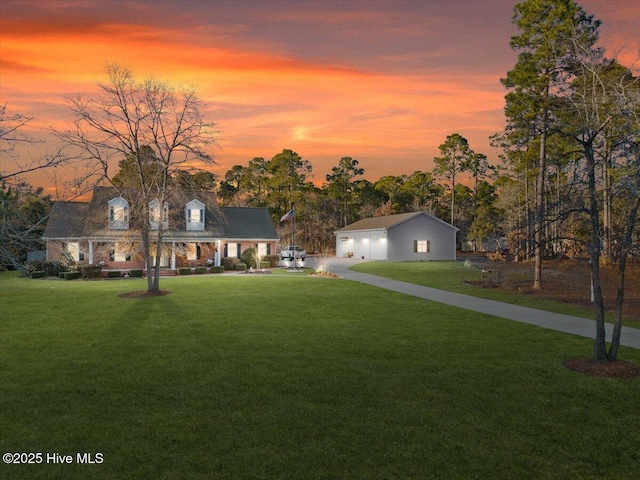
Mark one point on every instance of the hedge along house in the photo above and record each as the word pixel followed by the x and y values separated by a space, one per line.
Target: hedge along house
pixel 403 237
pixel 195 230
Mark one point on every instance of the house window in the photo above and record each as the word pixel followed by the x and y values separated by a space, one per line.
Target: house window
pixel 119 253
pixel 262 249
pixel 118 214
pixel 422 246
pixel 232 250
pixel 193 251
pixel 194 213
pixel 155 215
pixel 74 250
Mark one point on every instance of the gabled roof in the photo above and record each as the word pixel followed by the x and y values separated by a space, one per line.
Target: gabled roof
pixel 66 220
pixel 248 223
pixel 388 221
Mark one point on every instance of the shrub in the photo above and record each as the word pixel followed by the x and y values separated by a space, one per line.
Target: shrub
pixel 265 264
pixel 48 268
pixel 135 273
pixel 66 261
pixel 114 274
pixel 38 274
pixel 248 257
pixel 70 275
pixel 56 268
pixel 200 270
pixel 217 269
pixel 272 259
pixel 35 266
pixel 241 266
pixel 184 271
pixel 91 271
pixel 229 263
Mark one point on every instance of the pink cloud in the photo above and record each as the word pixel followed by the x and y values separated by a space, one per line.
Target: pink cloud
pixel 383 82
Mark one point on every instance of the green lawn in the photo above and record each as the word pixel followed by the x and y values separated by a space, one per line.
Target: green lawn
pixel 295 377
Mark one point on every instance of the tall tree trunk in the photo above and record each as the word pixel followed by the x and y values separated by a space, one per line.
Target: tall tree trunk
pixel 625 247
pixel 156 273
pixel 148 258
pixel 607 211
pixel 595 247
pixel 539 237
pixel 527 210
pixel 453 197
pixel 617 323
pixel 557 247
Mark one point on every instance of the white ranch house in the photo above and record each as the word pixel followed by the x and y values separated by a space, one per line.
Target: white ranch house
pixel 403 237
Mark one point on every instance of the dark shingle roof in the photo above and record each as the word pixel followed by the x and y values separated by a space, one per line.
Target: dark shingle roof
pixel 98 221
pixel 66 220
pixel 248 223
pixel 91 219
pixel 388 221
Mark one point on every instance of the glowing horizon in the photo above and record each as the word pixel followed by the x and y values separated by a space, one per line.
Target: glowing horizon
pixel 382 82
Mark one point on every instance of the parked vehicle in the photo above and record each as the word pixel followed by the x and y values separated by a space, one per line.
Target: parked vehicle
pixel 291 252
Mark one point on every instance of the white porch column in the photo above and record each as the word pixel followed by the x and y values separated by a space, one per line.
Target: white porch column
pixel 173 255
pixel 90 252
pixel 217 257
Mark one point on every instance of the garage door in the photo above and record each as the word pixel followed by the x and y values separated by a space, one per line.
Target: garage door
pixel 372 247
pixel 361 247
pixel 377 247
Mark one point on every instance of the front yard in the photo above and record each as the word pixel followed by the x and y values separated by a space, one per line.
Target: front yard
pixel 290 376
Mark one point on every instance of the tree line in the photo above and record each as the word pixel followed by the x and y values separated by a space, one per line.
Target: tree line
pixel 345 196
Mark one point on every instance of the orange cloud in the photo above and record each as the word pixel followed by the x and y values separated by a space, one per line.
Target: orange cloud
pixel 377 81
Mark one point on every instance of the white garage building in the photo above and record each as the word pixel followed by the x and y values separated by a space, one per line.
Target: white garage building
pixel 403 237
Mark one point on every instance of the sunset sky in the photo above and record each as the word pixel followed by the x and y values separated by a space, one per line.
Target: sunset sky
pixel 382 81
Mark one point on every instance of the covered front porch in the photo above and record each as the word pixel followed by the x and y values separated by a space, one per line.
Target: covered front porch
pixel 127 255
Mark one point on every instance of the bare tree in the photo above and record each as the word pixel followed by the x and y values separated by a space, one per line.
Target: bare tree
pixel 23 209
pixel 158 128
pixel 12 136
pixel 600 114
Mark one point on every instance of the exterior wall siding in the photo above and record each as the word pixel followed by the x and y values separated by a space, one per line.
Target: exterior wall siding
pixel 441 237
pixel 230 249
pixel 396 243
pixel 54 250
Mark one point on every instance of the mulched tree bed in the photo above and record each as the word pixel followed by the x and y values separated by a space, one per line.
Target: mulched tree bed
pixel 325 274
pixel 145 294
pixel 615 369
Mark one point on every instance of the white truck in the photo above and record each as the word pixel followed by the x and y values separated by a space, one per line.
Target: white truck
pixel 291 252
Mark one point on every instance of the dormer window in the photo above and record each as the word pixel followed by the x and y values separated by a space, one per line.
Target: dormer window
pixel 194 212
pixel 155 215
pixel 118 214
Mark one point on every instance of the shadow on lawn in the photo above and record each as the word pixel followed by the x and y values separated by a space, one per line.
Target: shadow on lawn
pixel 145 294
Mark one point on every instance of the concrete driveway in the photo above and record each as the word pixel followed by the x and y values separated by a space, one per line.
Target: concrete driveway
pixel 553 321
